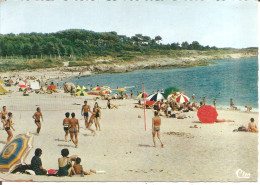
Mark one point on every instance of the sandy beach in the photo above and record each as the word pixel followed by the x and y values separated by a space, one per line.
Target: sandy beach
pixel 211 152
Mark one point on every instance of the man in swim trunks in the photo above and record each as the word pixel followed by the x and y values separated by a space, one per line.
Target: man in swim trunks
pixel 156 123
pixel 74 123
pixel 3 115
pixel 84 112
pixel 37 115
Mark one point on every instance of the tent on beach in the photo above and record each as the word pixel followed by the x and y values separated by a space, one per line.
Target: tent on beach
pixel 3 91
pixel 35 85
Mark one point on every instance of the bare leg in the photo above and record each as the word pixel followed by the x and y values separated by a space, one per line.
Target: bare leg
pixel 10 135
pixel 154 142
pixel 66 135
pixel 95 120
pixel 158 135
pixel 3 121
pixel 76 138
pixel 86 121
pixel 39 128
pixel 98 124
pixel 71 137
pixel 89 127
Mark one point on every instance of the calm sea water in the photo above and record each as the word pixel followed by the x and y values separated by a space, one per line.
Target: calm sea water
pixel 232 78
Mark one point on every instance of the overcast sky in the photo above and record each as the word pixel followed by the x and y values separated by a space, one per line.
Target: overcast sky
pixel 229 23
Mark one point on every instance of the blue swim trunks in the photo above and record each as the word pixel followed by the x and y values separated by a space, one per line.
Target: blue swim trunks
pixel 85 114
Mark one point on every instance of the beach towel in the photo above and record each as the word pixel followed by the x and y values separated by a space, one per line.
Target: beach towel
pixel 242 128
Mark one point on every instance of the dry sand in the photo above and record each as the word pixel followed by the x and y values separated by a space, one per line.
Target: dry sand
pixel 125 150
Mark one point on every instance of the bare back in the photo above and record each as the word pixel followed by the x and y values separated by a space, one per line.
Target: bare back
pixel 156 121
pixel 74 122
pixel 37 116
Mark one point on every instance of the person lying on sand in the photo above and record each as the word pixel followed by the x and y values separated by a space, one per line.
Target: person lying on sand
pixel 252 126
pixel 156 124
pixel 65 164
pixel 79 168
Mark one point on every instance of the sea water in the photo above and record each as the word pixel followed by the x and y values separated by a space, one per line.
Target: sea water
pixel 225 79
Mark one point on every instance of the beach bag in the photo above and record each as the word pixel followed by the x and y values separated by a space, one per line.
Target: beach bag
pixel 51 171
pixel 242 128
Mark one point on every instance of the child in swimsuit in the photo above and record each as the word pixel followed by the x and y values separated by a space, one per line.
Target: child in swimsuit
pixel 79 169
pixel 8 125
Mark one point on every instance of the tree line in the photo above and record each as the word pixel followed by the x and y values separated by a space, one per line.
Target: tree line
pixel 85 43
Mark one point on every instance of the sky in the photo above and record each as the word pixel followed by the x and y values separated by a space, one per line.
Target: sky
pixel 229 23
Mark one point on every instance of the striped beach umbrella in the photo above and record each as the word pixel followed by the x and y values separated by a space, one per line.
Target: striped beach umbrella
pixel 169 91
pixel 142 95
pixel 96 88
pixel 81 90
pixel 155 97
pixel 181 98
pixel 15 152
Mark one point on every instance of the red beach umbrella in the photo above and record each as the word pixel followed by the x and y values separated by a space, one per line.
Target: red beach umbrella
pixel 207 114
pixel 149 103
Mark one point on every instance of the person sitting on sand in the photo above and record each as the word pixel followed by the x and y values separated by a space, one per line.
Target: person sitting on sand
pixel 79 169
pixel 156 124
pixel 252 126
pixel 66 123
pixel 248 109
pixel 74 123
pixel 8 125
pixel 36 163
pixel 37 115
pixel 3 116
pixel 111 106
pixel 65 164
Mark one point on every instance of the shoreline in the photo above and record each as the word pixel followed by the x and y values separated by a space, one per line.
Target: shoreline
pixel 161 62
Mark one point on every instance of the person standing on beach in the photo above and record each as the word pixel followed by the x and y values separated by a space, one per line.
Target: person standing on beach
pixel 131 94
pixel 74 123
pixel 193 97
pixel 97 117
pixel 215 103
pixel 66 123
pixel 37 116
pixel 3 116
pixel 8 125
pixel 156 123
pixel 204 100
pixel 84 112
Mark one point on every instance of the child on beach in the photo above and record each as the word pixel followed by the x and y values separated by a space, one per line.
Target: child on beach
pixel 79 169
pixel 8 125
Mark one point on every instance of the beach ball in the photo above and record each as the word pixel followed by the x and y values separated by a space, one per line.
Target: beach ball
pixel 207 114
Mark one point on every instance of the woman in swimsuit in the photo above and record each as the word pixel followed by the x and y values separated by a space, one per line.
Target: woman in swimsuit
pixel 65 164
pixel 66 123
pixel 97 112
pixel 8 125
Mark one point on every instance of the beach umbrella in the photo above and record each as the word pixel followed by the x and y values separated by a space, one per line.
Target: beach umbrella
pixel 96 88
pixel 207 114
pixel 81 91
pixel 149 103
pixel 155 97
pixel 142 95
pixel 169 91
pixel 181 98
pixel 15 152
pixel 51 87
pixel 121 90
pixel 27 89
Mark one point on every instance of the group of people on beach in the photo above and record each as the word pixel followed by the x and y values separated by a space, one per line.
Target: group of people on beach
pixel 66 168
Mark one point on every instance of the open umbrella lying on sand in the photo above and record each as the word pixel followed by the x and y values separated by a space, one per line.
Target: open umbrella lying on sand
pixel 207 114
pixel 15 152
pixel 81 91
